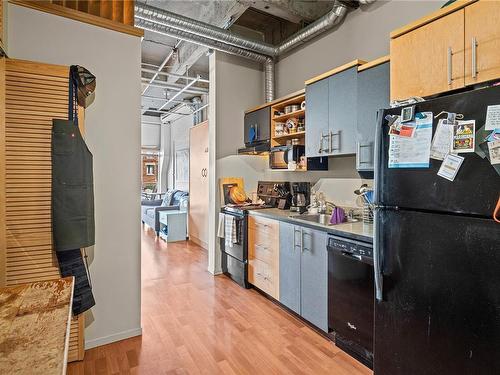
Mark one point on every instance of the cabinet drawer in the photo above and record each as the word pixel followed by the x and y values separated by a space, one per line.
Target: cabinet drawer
pixel 263 225
pixel 261 275
pixel 262 241
pixel 262 252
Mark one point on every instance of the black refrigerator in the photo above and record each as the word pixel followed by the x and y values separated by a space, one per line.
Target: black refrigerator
pixel 437 257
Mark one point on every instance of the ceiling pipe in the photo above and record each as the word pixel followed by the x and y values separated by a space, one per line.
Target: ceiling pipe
pixel 175 87
pixel 199 40
pixel 167 74
pixel 179 93
pixel 189 25
pixel 160 99
pixel 174 25
pixel 162 65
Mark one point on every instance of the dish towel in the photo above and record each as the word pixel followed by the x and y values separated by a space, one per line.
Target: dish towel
pixel 220 230
pixel 230 237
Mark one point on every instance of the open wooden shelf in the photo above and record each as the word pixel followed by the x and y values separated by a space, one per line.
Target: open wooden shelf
pixel 300 113
pixel 289 136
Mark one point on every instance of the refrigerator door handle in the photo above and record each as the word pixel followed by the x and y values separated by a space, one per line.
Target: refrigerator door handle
pixel 376 154
pixel 376 257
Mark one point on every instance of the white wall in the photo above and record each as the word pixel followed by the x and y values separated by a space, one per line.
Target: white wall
pixel 364 34
pixel 150 133
pixel 179 139
pixel 235 85
pixel 113 134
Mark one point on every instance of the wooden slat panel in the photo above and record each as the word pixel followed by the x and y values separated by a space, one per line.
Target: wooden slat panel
pixel 94 7
pixel 3 193
pixel 118 11
pixel 128 12
pixel 35 94
pixel 106 10
pixel 98 13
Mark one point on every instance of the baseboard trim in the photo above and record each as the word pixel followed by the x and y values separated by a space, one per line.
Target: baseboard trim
pixel 89 344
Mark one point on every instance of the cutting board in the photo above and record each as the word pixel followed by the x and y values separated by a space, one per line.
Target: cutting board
pixel 229 180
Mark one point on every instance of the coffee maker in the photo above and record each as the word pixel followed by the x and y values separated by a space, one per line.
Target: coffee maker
pixel 301 196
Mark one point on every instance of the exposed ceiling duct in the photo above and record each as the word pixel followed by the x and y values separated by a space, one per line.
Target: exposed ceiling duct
pixel 174 25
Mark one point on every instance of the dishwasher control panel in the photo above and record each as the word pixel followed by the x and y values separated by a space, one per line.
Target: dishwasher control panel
pixel 352 247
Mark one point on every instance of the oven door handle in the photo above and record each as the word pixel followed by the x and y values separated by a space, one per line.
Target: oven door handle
pixel 349 254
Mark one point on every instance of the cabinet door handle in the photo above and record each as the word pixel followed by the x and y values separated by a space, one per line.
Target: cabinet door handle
pixel 332 134
pixel 474 57
pixel 301 240
pixel 450 66
pixel 321 137
pixel 295 231
pixel 359 158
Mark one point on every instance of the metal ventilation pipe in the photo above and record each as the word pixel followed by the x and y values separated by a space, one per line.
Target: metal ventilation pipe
pixel 269 79
pixel 178 22
pixel 328 21
pixel 171 24
pixel 200 40
pixel 196 114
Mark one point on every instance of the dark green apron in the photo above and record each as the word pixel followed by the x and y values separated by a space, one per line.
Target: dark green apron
pixel 72 188
pixel 72 201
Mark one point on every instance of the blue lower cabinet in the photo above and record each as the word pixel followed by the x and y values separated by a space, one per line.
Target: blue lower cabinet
pixel 314 278
pixel 304 273
pixel 290 267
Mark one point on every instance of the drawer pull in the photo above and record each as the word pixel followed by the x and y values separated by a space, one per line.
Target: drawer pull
pixel 351 326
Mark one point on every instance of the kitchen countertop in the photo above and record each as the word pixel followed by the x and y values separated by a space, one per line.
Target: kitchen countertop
pixel 34 327
pixel 356 231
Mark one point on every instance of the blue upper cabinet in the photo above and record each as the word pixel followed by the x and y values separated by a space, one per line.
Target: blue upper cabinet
pixel 343 104
pixel 373 94
pixel 331 112
pixel 317 119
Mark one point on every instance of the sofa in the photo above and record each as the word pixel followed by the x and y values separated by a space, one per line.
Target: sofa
pixel 150 209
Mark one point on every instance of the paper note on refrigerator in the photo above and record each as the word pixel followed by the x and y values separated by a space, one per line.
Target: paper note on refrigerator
pixel 492 117
pixel 412 152
pixel 450 166
pixel 494 148
pixel 441 143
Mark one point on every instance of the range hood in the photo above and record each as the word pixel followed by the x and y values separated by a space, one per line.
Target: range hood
pixel 261 148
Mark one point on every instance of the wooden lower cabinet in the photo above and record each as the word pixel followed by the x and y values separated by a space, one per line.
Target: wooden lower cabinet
pixel 263 254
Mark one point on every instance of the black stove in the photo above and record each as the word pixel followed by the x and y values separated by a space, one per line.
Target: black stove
pixel 243 208
pixel 235 258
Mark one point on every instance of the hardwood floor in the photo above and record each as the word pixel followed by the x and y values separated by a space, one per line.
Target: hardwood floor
pixel 194 323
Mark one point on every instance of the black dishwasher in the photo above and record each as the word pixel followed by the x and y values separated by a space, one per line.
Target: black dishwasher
pixel 351 296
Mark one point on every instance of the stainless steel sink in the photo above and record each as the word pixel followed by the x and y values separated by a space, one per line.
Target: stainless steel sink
pixel 323 219
pixel 315 218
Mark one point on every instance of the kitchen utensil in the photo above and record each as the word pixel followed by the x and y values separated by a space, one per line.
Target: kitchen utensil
pixel 292 108
pixel 363 188
pixel 338 215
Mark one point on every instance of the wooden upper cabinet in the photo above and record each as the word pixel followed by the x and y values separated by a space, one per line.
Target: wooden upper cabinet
pixel 429 59
pixel 482 42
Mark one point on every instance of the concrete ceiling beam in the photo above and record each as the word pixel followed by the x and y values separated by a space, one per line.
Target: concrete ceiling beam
pixel 292 10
